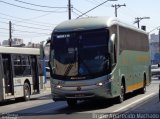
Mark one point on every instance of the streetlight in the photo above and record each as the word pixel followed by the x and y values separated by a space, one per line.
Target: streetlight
pixel 95 8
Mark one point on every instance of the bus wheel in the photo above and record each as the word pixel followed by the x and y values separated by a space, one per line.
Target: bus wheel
pixel 26 92
pixel 143 89
pixel 71 103
pixel 122 93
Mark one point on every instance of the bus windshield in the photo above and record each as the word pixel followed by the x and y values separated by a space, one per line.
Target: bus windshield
pixel 81 53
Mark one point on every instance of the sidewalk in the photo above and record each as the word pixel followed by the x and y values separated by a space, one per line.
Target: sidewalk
pixel 47 86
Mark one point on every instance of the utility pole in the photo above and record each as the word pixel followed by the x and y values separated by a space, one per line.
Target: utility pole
pixel 95 8
pixel 10 33
pixel 116 6
pixel 138 19
pixel 69 9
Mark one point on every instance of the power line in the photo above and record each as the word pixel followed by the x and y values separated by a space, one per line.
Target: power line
pixel 27 22
pixel 95 7
pixel 26 31
pixel 31 27
pixel 78 11
pixel 31 32
pixel 4 29
pixel 4 35
pixel 3 22
pixel 29 19
pixel 75 13
pixel 4 32
pixel 31 8
pixel 28 35
pixel 37 4
pixel 36 24
pixel 92 2
pixel 158 27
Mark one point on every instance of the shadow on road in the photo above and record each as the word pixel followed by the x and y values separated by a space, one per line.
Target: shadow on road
pixel 18 100
pixel 61 107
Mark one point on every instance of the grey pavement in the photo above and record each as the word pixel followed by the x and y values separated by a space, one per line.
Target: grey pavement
pixel 47 85
pixel 152 105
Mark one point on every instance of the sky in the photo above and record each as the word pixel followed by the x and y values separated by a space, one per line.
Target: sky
pixel 34 20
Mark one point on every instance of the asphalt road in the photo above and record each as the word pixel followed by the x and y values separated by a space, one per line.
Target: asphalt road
pixel 42 106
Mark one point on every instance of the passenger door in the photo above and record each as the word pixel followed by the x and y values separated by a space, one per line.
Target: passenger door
pixel 35 74
pixel 8 74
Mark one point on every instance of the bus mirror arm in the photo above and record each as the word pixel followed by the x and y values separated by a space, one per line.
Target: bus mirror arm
pixel 51 70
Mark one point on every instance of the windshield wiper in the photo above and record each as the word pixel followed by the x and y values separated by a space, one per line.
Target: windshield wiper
pixel 68 69
pixel 70 65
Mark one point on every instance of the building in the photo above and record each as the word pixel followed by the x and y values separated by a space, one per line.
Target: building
pixel 5 42
pixel 154 48
pixel 15 42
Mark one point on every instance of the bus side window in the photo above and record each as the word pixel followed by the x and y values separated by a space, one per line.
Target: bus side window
pixel 17 65
pixel 26 66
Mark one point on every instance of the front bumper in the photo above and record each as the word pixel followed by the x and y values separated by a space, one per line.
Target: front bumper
pixel 82 92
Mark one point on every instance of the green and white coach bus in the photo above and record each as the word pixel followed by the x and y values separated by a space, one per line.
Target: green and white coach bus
pixel 98 57
pixel 21 73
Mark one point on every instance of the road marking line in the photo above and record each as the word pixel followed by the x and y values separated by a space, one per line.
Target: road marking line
pixel 134 102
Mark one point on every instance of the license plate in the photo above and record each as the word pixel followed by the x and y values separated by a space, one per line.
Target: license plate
pixel 79 95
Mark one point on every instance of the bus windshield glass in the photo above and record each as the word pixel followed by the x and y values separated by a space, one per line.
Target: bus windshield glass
pixel 81 53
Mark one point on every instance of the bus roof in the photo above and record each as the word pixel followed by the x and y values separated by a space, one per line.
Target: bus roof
pixel 19 50
pixel 91 23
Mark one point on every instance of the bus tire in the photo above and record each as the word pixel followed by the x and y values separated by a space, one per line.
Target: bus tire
pixel 122 93
pixel 71 103
pixel 26 90
pixel 143 89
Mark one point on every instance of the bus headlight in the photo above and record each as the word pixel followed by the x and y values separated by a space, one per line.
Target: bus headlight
pixel 104 82
pixel 58 86
pixel 100 84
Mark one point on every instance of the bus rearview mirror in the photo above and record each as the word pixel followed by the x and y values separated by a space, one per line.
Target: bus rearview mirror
pixel 112 38
pixel 111 43
pixel 51 68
